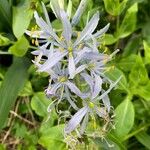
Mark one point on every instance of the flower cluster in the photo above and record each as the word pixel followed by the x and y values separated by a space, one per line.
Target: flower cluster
pixel 75 66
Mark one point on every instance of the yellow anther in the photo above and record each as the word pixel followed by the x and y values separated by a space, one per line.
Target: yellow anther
pixel 61 38
pixel 36 42
pixel 80 46
pixel 33 41
pixel 78 34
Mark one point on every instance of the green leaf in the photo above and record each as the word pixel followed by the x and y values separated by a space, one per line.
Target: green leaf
pixel 127 63
pixel 142 91
pixel 39 104
pixel 124 117
pixel 138 73
pixel 114 74
pixel 114 7
pixel 4 41
pixel 109 39
pixel 12 84
pixel 128 24
pixel 144 139
pixel 5 13
pixel 27 90
pixel 20 47
pixel 22 15
pixel 147 52
pixel 53 138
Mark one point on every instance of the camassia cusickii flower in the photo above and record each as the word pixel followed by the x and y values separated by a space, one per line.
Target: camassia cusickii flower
pixel 75 65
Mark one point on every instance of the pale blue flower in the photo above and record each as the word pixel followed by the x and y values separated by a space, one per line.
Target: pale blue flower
pixel 91 107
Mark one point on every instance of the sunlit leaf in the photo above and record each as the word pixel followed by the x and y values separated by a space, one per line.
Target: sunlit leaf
pixel 124 118
pixel 114 74
pixel 128 24
pixel 39 104
pixel 53 138
pixel 27 90
pixel 109 39
pixel 20 47
pixel 114 7
pixel 138 73
pixel 22 15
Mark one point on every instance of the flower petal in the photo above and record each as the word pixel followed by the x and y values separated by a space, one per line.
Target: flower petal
pixel 79 12
pixel 80 69
pixel 89 28
pixel 67 29
pixel 84 123
pixel 88 79
pixel 74 89
pixel 70 100
pixel 106 102
pixel 110 88
pixel 56 8
pixel 100 32
pixel 97 86
pixel 46 15
pixel 76 119
pixel 51 91
pixel 71 67
pixel 52 60
pixel 48 29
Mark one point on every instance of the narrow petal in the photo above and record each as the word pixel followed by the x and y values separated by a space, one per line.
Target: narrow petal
pixel 67 29
pixel 79 12
pixel 88 79
pixel 76 119
pixel 84 124
pixel 110 88
pixel 55 58
pixel 46 15
pixel 106 102
pixel 71 67
pixel 80 69
pixel 100 32
pixel 42 24
pixel 70 100
pixel 81 54
pixel 51 91
pixel 56 8
pixel 89 28
pixel 74 89
pixel 97 86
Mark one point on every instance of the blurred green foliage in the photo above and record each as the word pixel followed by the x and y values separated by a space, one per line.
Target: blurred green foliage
pixel 26 127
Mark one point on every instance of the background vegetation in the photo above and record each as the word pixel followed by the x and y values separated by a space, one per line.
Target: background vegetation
pixel 23 103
